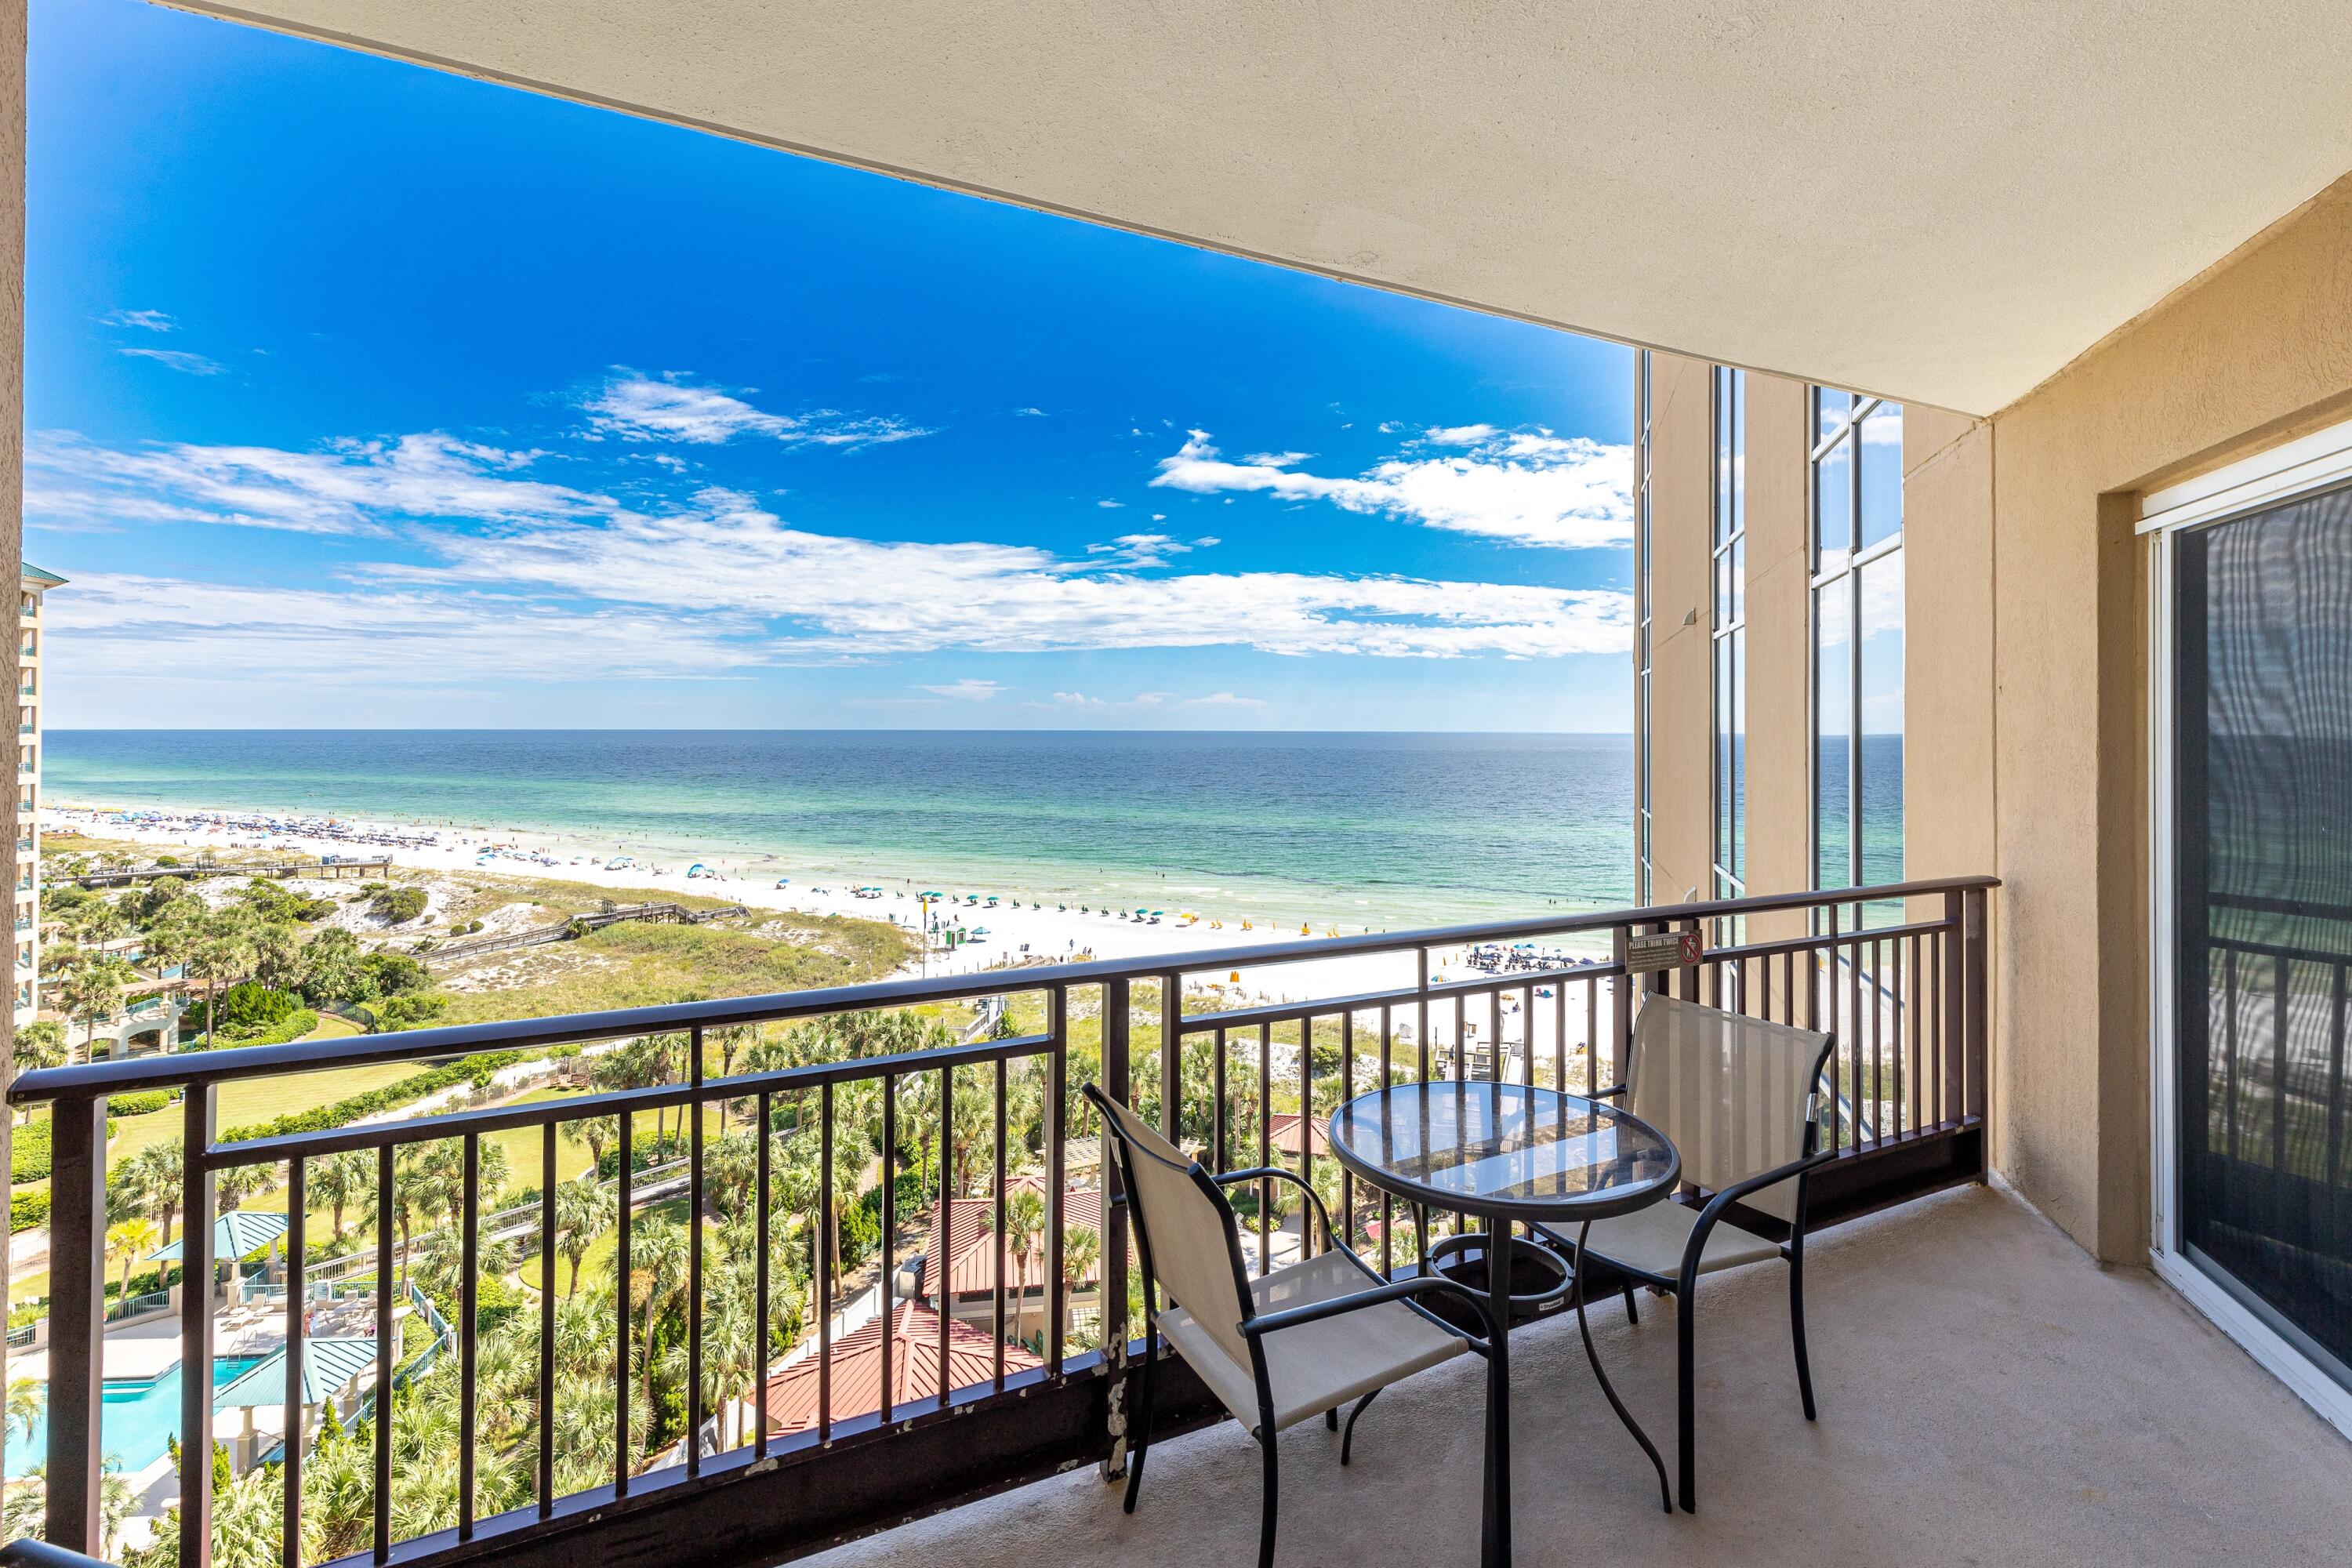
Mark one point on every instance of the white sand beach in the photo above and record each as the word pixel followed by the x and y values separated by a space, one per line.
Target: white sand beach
pixel 991 935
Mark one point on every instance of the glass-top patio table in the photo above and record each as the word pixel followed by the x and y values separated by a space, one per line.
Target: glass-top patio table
pixel 1509 1155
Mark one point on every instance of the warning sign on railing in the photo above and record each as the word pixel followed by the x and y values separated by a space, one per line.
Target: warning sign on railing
pixel 1661 949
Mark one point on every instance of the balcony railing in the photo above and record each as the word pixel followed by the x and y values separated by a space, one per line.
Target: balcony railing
pixel 1908 1087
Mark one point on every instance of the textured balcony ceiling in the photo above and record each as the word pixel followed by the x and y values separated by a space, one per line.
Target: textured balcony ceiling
pixel 1945 202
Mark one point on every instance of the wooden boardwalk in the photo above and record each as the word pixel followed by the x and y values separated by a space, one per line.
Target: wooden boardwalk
pixel 127 876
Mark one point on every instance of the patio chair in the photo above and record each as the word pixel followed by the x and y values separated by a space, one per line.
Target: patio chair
pixel 1297 1343
pixel 1737 1096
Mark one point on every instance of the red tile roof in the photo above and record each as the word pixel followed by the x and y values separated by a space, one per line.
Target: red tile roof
pixel 970 1221
pixel 1282 1128
pixel 792 1393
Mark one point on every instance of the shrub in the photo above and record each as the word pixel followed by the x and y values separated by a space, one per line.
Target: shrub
pixel 390 974
pixel 861 1233
pixel 410 1010
pixel 26 1210
pixel 28 1153
pixel 249 1004
pixel 398 906
pixel 141 1104
pixel 391 1097
pixel 167 861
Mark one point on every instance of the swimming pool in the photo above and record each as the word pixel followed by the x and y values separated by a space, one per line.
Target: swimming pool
pixel 134 1429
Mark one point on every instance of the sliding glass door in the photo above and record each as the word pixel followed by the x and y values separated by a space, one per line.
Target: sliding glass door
pixel 2255 916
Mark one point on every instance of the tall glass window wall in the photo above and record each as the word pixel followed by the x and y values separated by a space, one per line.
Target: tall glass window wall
pixel 1857 583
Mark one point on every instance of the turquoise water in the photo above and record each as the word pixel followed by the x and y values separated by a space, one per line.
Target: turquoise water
pixel 1382 830
pixel 135 1427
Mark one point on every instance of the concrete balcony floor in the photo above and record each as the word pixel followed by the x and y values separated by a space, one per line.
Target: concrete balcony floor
pixel 1988 1395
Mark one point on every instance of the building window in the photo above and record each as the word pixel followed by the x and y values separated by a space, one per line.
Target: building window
pixel 1729 640
pixel 1642 607
pixel 1857 507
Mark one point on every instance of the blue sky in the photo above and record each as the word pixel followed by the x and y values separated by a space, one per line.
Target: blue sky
pixel 359 395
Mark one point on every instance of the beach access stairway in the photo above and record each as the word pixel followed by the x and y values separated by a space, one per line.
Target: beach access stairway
pixel 577 925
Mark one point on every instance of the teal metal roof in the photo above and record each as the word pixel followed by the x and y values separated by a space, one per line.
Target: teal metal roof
pixel 328 1366
pixel 39 578
pixel 240 1233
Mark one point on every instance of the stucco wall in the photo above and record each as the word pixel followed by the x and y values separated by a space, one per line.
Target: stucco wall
pixel 1780 829
pixel 2256 351
pixel 1681 749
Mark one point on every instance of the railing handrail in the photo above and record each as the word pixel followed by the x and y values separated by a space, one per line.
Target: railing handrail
pixel 198 1068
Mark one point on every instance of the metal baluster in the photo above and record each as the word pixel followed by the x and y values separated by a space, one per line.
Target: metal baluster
pixel 1171 1056
pixel 1499 1072
pixel 1113 1292
pixel 385 1351
pixel 1902 1014
pixel 1217 1122
pixel 1265 1144
pixel 997 1242
pixel 760 1250
pixel 936 1268
pixel 694 1207
pixel 1306 1131
pixel 1854 1021
pixel 889 1235
pixel 547 1320
pixel 469 1263
pixel 1387 1204
pixel 1347 1096
pixel 1058 1099
pixel 1829 954
pixel 290 1529
pixel 824 1268
pixel 624 1195
pixel 72 1518
pixel 1877 1032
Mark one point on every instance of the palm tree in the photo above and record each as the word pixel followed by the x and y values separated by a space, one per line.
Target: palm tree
pixel 40 1044
pixel 600 1133
pixel 583 1211
pixel 657 1279
pixel 93 990
pixel 1081 1251
pixel 340 1179
pixel 28 1398
pixel 222 950
pixel 1025 1222
pixel 131 1240
pixel 158 1174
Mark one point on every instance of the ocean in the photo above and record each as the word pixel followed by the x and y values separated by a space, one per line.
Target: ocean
pixel 1386 830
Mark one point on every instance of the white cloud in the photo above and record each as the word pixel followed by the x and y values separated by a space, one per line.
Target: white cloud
pixel 1226 700
pixel 673 407
pixel 180 360
pixel 1109 505
pixel 1526 487
pixel 148 630
pixel 1029 414
pixel 1275 459
pixel 965 690
pixel 350 487
pixel 495 553
pixel 1079 700
pixel 150 320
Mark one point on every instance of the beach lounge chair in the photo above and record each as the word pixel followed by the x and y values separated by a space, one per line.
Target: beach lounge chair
pixel 1737 1096
pixel 1295 1344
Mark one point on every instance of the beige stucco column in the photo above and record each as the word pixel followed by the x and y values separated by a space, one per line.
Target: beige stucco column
pixel 1780 666
pixel 1681 722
